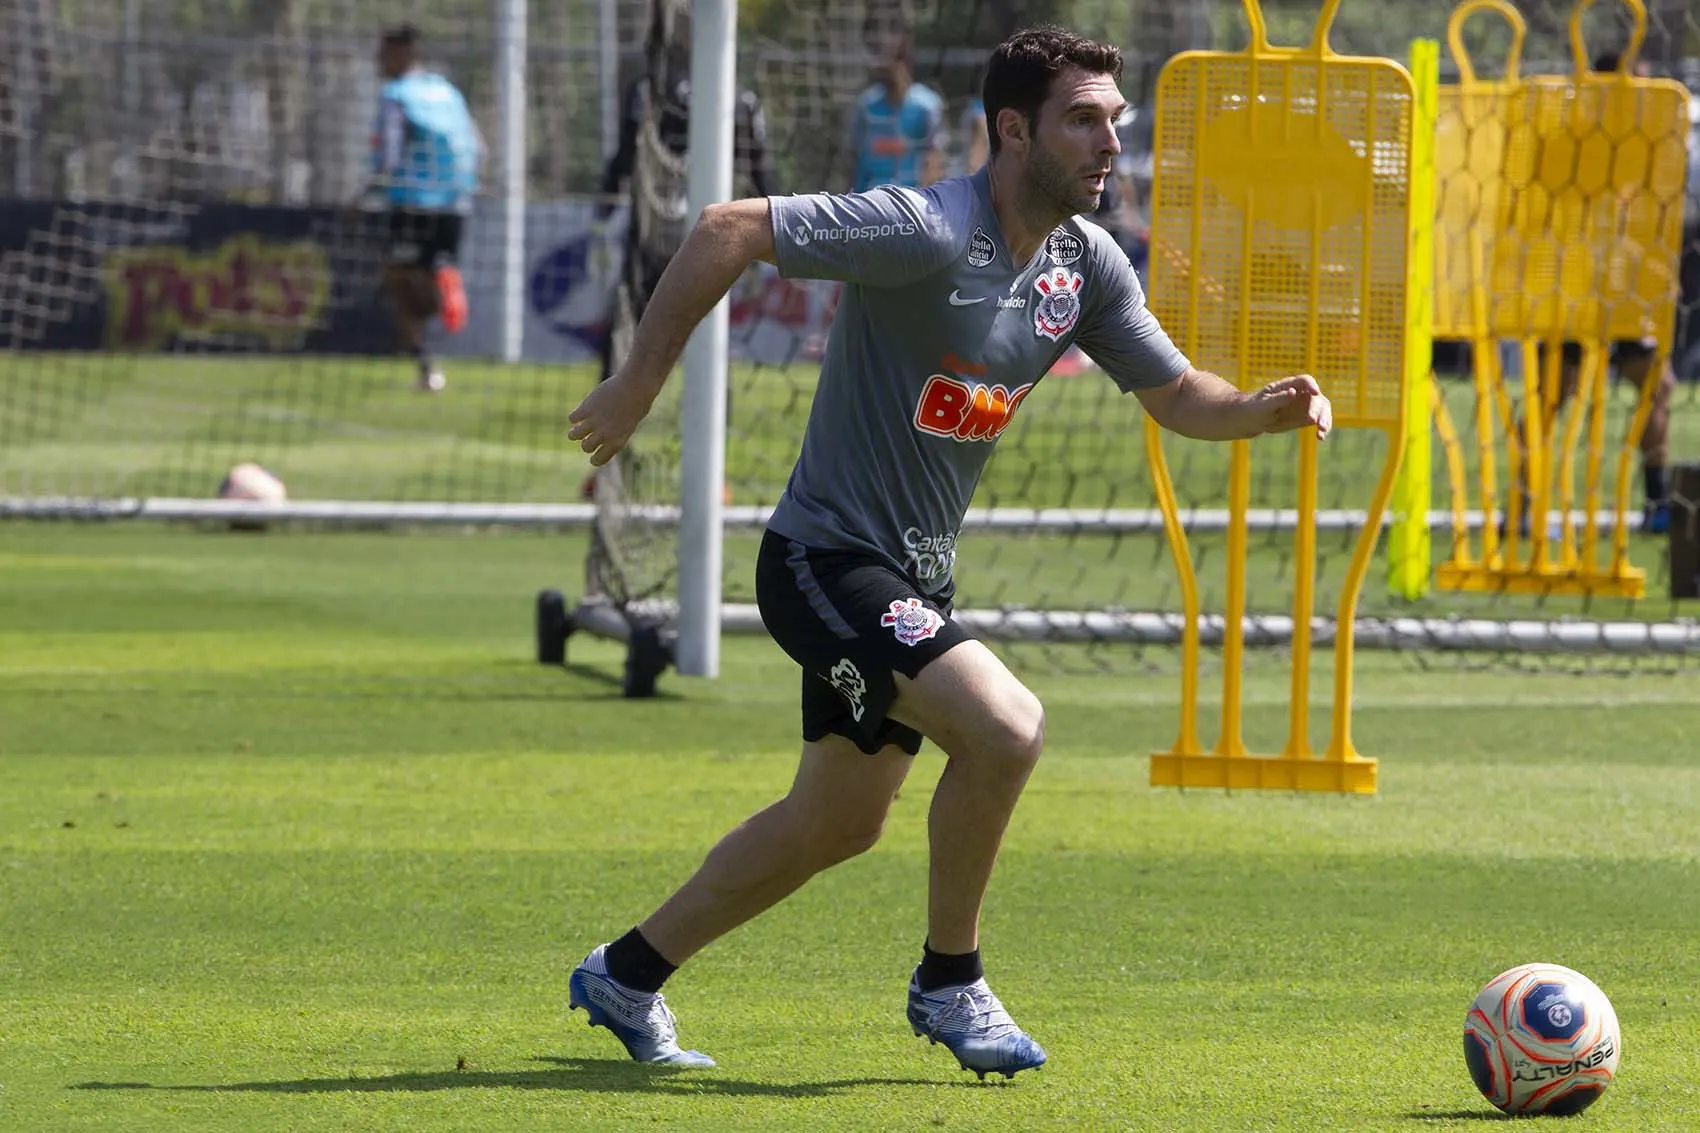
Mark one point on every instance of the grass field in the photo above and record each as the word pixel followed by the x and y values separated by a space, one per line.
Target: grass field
pixel 337 428
pixel 294 835
pixel 348 428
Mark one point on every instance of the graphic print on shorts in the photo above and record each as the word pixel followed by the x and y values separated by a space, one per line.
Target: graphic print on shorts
pixel 912 620
pixel 847 679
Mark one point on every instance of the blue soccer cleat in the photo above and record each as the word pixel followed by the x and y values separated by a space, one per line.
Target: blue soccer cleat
pixel 972 1023
pixel 1655 518
pixel 641 1020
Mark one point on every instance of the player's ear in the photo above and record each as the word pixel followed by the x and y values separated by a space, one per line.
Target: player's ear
pixel 1012 127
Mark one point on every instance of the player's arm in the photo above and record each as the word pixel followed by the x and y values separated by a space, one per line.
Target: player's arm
pixel 1123 336
pixel 727 239
pixel 1201 405
pixel 388 146
pixel 882 238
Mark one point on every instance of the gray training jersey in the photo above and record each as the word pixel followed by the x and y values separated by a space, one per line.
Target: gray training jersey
pixel 938 338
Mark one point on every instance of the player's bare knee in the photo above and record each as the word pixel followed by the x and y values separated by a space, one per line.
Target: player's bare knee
pixel 833 836
pixel 848 840
pixel 1667 387
pixel 1016 735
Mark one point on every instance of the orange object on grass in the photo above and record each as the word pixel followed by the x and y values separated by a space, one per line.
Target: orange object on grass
pixel 452 297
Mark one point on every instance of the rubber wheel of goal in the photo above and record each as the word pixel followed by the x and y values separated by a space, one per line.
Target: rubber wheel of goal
pixel 554 626
pixel 646 658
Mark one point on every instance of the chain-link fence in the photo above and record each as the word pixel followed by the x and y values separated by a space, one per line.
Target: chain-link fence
pixel 272 102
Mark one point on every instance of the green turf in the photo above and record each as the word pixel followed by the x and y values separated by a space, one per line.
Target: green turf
pixel 346 428
pixel 294 835
pixel 338 428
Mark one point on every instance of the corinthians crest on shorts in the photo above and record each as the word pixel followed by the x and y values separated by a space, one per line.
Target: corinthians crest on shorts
pixel 1058 308
pixel 911 620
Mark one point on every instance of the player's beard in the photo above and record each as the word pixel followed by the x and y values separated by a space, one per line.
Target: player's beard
pixel 1055 189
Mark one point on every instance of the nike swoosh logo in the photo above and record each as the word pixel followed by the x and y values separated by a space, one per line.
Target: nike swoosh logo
pixel 956 300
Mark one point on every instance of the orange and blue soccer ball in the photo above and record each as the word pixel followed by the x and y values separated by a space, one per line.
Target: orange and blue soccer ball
pixel 1541 1038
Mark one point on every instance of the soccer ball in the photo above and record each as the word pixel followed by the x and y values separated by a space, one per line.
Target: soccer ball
pixel 248 481
pixel 1540 1038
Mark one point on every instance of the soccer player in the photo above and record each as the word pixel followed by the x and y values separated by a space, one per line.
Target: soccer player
pixel 425 157
pixel 897 133
pixel 958 298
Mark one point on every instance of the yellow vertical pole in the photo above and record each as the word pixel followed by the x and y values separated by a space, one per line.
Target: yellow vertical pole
pixel 1232 739
pixel 1187 742
pixel 1455 473
pixel 1304 534
pixel 1593 395
pixel 1409 548
pixel 1304 600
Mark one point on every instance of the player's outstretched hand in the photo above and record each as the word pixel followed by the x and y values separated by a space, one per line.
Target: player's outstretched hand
pixel 605 420
pixel 1294 403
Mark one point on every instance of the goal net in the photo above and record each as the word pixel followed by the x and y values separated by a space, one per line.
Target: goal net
pixel 1063 554
pixel 181 290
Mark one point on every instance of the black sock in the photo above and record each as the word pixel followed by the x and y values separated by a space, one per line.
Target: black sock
pixel 1653 481
pixel 634 962
pixel 941 970
pixel 424 357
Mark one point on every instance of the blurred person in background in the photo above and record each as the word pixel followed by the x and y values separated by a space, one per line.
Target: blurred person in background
pixel 897 134
pixel 976 143
pixel 426 151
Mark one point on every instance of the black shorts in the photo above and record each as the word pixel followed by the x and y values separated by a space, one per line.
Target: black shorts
pixel 851 620
pixel 423 238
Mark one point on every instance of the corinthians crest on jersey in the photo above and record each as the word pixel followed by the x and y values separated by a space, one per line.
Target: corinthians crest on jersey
pixel 1058 308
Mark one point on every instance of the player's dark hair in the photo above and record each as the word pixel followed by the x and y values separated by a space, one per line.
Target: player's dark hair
pixel 1020 71
pixel 1607 61
pixel 402 35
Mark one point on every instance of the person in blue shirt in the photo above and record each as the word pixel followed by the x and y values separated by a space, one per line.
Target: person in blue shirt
pixel 897 134
pixel 426 151
pixel 976 142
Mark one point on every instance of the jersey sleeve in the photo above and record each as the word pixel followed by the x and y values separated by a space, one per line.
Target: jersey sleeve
pixel 885 237
pixel 1119 331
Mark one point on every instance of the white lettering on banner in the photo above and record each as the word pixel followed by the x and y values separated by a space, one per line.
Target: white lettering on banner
pixel 928 556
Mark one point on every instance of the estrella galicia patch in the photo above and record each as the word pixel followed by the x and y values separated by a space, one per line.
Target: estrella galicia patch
pixel 981 250
pixel 1064 248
